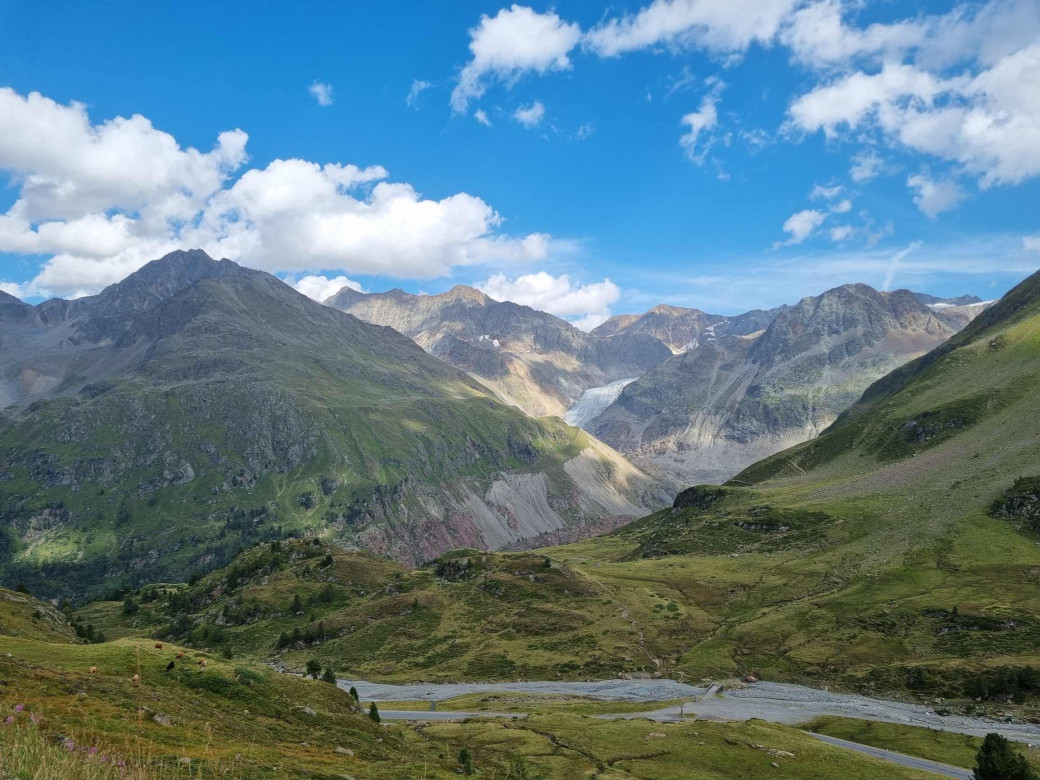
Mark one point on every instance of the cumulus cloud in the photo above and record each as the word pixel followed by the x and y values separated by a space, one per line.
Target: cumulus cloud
pixel 801 225
pixel 418 87
pixel 963 88
pixel 725 28
pixel 321 92
pixel 1031 243
pixel 321 288
pixel 530 116
pixel 934 196
pixel 586 305
pixel 481 117
pixel 515 41
pixel 99 201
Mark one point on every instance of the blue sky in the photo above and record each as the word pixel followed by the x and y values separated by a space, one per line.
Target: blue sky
pixel 725 155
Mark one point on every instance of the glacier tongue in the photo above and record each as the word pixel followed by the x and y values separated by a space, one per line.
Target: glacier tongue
pixel 593 401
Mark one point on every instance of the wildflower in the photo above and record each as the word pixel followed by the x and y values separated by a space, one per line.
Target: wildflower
pixel 69 744
pixel 34 718
pixel 93 749
pixel 9 720
pixel 19 707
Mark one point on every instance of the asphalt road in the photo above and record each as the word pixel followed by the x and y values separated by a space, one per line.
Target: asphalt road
pixel 898 758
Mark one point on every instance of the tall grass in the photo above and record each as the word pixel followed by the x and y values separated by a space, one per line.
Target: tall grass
pixel 27 752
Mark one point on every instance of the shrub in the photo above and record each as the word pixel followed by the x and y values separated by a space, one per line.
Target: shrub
pixel 373 713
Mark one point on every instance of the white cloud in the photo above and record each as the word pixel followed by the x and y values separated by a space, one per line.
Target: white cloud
pixel 559 295
pixel 801 225
pixel 866 165
pixel 68 168
pixel 719 27
pixel 418 87
pixel 515 41
pixel 530 116
pixel 934 196
pixel 1031 243
pixel 841 233
pixel 99 201
pixel 321 288
pixel 826 193
pixel 321 92
pixel 698 138
pixel 842 207
pixel 481 117
pixel 585 132
pixel 984 119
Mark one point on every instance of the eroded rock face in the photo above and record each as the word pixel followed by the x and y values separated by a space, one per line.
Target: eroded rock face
pixel 732 399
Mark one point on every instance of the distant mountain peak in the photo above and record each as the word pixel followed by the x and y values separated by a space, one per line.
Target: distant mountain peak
pixel 463 292
pixel 960 300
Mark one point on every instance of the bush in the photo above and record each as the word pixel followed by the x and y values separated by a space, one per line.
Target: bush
pixel 466 761
pixel 313 669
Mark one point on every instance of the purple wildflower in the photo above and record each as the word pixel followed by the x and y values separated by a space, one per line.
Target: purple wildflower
pixel 19 707
pixel 93 749
pixel 34 718
pixel 69 744
pixel 9 720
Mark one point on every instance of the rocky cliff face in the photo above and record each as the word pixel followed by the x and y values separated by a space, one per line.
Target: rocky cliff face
pixel 532 360
pixel 733 398
pixel 197 406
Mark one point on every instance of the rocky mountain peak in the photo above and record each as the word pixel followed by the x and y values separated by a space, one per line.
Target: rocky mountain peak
pixel 462 292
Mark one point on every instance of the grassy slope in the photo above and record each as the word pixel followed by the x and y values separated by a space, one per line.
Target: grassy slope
pixel 22 615
pixel 498 616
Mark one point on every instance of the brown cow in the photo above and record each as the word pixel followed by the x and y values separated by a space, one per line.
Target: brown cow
pixel 180 654
pixel 93 670
pixel 137 679
pixel 202 663
pixel 158 645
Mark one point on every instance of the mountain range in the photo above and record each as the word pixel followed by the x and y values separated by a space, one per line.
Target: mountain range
pixel 687 395
pixel 153 429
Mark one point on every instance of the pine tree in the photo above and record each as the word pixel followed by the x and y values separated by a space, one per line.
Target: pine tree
pixel 313 668
pixel 297 604
pixel 373 712
pixel 997 760
pixel 466 761
pixel 329 676
pixel 353 692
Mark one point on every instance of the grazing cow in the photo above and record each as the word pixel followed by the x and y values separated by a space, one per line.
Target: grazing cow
pixel 158 645
pixel 180 654
pixel 169 666
pixel 137 679
pixel 202 663
pixel 93 670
